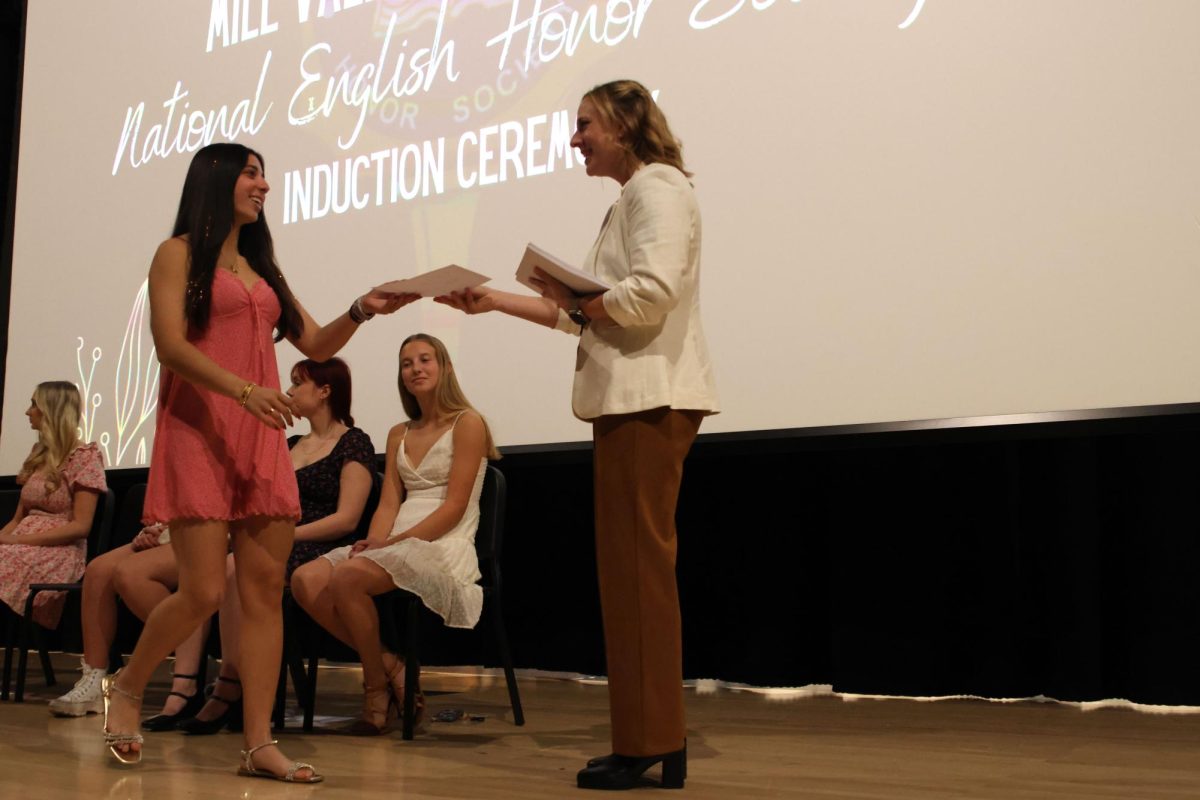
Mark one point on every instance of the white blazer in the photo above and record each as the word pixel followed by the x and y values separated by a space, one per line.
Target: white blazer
pixel 653 352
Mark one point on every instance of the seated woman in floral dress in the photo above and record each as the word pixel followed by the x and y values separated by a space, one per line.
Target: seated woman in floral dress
pixel 61 481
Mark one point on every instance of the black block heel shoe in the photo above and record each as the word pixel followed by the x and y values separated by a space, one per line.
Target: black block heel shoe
pixel 168 722
pixel 612 757
pixel 616 772
pixel 230 718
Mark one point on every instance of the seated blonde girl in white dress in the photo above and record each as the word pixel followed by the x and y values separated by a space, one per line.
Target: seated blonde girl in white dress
pixel 422 537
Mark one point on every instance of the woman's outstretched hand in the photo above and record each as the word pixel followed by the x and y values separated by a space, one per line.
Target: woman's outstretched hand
pixel 271 406
pixel 470 301
pixel 377 302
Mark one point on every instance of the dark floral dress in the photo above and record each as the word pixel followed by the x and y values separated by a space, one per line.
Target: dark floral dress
pixel 320 483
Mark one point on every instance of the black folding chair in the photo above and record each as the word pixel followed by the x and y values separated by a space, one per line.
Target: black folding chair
pixel 488 541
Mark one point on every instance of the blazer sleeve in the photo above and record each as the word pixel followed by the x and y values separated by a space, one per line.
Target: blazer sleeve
pixel 657 246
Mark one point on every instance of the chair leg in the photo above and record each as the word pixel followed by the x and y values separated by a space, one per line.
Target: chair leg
pixel 277 714
pixel 412 667
pixel 295 667
pixel 293 661
pixel 310 680
pixel 10 636
pixel 510 677
pixel 44 655
pixel 116 660
pixel 25 629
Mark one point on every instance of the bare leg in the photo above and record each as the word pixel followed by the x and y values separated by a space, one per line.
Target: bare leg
pixel 231 622
pixel 188 655
pixel 310 587
pixel 99 623
pixel 353 584
pixel 99 606
pixel 144 580
pixel 199 548
pixel 227 691
pixel 147 578
pixel 260 549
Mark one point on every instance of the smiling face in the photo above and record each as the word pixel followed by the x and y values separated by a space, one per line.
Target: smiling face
pixel 599 144
pixel 419 368
pixel 250 191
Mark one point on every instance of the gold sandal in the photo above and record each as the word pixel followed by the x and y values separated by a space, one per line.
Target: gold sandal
pixel 248 770
pixel 115 740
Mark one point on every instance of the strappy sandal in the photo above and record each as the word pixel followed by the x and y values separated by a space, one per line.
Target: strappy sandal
pixel 396 680
pixel 365 725
pixel 191 706
pixel 248 770
pixel 115 740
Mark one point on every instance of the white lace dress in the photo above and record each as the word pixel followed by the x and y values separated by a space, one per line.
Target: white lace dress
pixel 444 573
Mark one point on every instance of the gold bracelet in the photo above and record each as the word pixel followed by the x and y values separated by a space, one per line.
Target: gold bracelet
pixel 246 390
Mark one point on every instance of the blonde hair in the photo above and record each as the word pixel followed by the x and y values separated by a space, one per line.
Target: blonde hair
pixel 629 109
pixel 447 395
pixel 58 434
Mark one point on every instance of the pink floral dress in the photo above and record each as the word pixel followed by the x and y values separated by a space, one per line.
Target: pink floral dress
pixel 23 564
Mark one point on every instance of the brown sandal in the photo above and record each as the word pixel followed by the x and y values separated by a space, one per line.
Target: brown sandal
pixel 373 698
pixel 396 679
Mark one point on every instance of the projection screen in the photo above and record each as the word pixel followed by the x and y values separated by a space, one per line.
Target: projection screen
pixel 912 210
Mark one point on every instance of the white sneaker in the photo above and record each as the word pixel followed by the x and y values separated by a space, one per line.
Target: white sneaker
pixel 85 697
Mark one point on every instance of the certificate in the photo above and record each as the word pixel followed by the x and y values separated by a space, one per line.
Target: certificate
pixel 574 279
pixel 447 279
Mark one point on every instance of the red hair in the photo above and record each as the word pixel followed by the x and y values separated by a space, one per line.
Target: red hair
pixel 336 375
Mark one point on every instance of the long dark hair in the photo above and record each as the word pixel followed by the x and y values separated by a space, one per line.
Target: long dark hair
pixel 206 217
pixel 335 374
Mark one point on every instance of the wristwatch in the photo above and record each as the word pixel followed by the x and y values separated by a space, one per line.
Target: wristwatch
pixel 576 315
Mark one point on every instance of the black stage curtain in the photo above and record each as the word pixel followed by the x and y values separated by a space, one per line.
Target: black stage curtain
pixel 1046 560
pixel 1053 559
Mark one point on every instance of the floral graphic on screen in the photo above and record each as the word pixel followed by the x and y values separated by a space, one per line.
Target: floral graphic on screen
pixel 135 389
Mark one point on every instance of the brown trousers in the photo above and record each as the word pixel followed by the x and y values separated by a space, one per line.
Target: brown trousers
pixel 638 469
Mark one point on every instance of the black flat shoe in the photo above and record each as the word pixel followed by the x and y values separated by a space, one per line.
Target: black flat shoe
pixel 615 772
pixel 168 722
pixel 231 717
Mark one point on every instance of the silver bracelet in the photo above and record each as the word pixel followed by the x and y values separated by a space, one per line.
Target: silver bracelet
pixel 358 314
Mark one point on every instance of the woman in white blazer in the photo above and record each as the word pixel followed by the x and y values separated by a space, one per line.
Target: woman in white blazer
pixel 644 380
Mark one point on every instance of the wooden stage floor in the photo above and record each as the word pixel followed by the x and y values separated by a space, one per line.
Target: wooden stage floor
pixel 740 745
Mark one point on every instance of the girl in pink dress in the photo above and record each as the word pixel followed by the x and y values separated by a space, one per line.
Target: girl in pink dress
pixel 220 469
pixel 46 540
